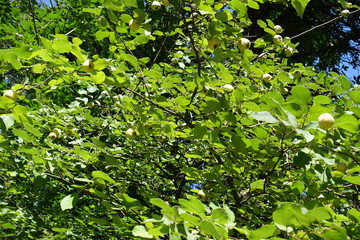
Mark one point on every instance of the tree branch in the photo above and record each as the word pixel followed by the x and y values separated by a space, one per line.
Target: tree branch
pixel 321 25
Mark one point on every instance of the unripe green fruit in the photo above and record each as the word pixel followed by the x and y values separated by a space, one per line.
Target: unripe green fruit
pixel 202 195
pixel 289 51
pixel 70 132
pixel 244 43
pixel 56 131
pixel 156 5
pixel 345 13
pixel 130 133
pixel 213 43
pixel 228 88
pixel 52 136
pixel 134 24
pixel 297 73
pixel 10 94
pixel 278 29
pixel 91 104
pixel 284 91
pixel 266 77
pixel 326 121
pixel 341 167
pixel 88 66
pixel 277 39
pixel 194 16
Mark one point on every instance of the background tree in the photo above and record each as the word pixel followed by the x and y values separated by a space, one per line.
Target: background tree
pixel 332 47
pixel 174 128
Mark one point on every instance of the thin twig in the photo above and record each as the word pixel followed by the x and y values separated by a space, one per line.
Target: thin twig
pixel 320 25
pixel 68 33
pixel 344 153
pixel 160 50
pixel 58 178
pixel 154 103
pixel 48 78
pixel 33 20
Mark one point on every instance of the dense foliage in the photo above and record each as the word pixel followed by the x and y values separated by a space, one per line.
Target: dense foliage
pixel 129 120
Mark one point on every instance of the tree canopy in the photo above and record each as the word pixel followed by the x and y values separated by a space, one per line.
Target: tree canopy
pixel 178 120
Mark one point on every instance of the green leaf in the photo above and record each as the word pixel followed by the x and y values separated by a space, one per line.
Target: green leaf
pixel 199 131
pixel 29 150
pixel 130 3
pixel 259 184
pixel 182 101
pixel 140 231
pixel 69 201
pixel 161 204
pixel 34 131
pixel 100 35
pixel 209 229
pixel 12 58
pixel 61 45
pixel 302 159
pixel 131 59
pixel 300 6
pixel 283 217
pixel 264 116
pixel 306 134
pixel 264 232
pixel 98 77
pixel 112 16
pixel 319 214
pixel 355 96
pixel 100 221
pixel 321 99
pixel 8 120
pixel 61 230
pixel 102 175
pixel 38 68
pixel 193 206
pixel 55 82
pixel 75 50
pixel 354 215
pixel 6 103
pixel 24 135
pixel 334 233
pixel 301 93
pixel 95 11
pixel 159 231
pixel 141 40
pixel 238 94
pixel 345 83
pixel 352 179
pixel 23 53
pixel 220 216
pixel 190 218
pixel 261 23
pixel 98 193
pixel 130 202
pixel 8 226
pixel 253 4
pixel 348 122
